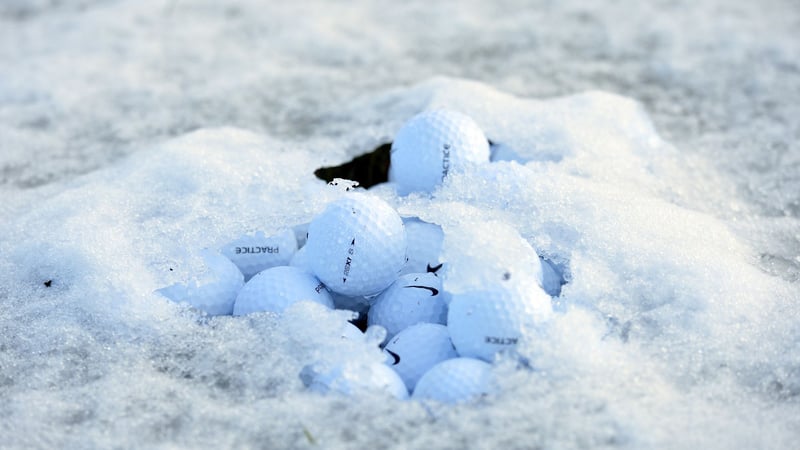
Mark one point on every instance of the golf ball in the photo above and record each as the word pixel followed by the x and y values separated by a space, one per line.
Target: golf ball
pixel 431 145
pixel 455 380
pixel 485 321
pixel 354 379
pixel 418 348
pixel 357 246
pixel 412 299
pixel 276 288
pixel 252 254
pixel 212 287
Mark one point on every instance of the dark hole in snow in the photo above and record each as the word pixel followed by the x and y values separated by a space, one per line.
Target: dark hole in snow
pixel 368 169
pixel 48 283
pixel 360 322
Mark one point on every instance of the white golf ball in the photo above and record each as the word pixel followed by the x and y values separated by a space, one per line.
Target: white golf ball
pixel 455 380
pixel 483 322
pixel 418 348
pixel 276 288
pixel 431 145
pixel 254 253
pixel 353 379
pixel 424 246
pixel 357 246
pixel 212 287
pixel 414 298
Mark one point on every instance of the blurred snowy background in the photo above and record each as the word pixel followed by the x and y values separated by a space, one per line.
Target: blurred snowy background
pixel 90 91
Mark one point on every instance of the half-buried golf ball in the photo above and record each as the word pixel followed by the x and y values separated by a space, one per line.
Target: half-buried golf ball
pixel 357 246
pixel 212 287
pixel 485 321
pixel 353 379
pixel 276 288
pixel 254 253
pixel 455 380
pixel 431 145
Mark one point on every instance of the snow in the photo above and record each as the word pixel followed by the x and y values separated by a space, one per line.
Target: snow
pixel 656 164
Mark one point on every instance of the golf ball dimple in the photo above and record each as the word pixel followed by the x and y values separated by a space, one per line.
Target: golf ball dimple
pixel 357 246
pixel 414 298
pixel 455 380
pixel 431 145
pixel 485 321
pixel 418 348
pixel 276 288
pixel 254 253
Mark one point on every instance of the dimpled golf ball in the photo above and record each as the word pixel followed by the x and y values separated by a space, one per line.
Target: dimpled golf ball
pixel 414 298
pixel 252 254
pixel 455 380
pixel 495 318
pixel 357 246
pixel 353 379
pixel 424 246
pixel 213 287
pixel 276 288
pixel 431 145
pixel 418 348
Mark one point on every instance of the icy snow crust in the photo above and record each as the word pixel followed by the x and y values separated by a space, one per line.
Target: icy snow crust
pixel 667 334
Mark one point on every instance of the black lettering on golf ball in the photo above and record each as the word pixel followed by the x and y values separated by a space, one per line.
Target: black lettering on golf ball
pixel 350 251
pixel 256 250
pixel 501 340
pixel 445 160
pixel 347 266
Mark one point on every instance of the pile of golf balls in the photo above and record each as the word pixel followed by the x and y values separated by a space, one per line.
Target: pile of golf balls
pixel 359 254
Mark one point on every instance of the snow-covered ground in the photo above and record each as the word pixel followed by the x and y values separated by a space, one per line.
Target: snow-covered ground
pixel 664 173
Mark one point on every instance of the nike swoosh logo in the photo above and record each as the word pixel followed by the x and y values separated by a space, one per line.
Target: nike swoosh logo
pixel 395 356
pixel 434 291
pixel 434 269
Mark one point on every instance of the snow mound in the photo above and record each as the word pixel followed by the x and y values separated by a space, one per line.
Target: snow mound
pixel 667 334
